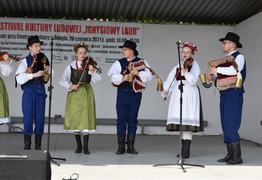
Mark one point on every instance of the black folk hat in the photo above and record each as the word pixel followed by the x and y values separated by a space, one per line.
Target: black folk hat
pixel 33 39
pixel 232 37
pixel 131 45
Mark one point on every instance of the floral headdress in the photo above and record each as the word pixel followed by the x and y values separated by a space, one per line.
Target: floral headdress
pixel 192 46
pixel 76 46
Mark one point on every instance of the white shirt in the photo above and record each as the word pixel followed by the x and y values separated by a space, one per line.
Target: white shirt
pixel 240 60
pixel 22 77
pixel 116 76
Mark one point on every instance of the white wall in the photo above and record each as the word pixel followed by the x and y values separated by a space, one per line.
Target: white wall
pixel 251 38
pixel 159 48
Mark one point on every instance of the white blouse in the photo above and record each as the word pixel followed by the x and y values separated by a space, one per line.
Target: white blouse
pixel 6 69
pixel 65 79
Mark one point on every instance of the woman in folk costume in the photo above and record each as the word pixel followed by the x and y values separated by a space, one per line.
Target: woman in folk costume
pixel 80 113
pixel 5 70
pixel 192 120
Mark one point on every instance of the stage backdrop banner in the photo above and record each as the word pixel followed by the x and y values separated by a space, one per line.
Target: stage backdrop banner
pixel 103 37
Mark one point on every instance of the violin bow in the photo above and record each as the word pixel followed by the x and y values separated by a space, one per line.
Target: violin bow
pixel 170 85
pixel 84 67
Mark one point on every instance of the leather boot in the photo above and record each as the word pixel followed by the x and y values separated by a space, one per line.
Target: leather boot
pixel 186 151
pixel 130 144
pixel 228 156
pixel 121 144
pixel 182 147
pixel 38 140
pixel 86 139
pixel 27 141
pixel 236 156
pixel 79 144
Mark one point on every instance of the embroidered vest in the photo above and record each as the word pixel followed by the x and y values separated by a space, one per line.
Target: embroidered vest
pixel 138 64
pixel 33 86
pixel 76 75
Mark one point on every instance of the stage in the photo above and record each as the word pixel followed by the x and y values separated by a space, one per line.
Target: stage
pixel 103 163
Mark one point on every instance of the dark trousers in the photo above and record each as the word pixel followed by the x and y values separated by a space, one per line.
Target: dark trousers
pixel 231 112
pixel 33 107
pixel 127 106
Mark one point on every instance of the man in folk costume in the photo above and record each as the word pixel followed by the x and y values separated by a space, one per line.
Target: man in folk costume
pixel 130 74
pixel 231 97
pixel 29 75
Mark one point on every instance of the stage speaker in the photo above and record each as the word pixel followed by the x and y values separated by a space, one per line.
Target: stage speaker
pixel 25 165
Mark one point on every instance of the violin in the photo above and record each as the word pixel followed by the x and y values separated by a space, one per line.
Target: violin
pixel 11 56
pixel 92 62
pixel 187 62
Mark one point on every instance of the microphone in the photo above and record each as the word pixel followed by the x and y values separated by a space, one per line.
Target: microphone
pixel 178 42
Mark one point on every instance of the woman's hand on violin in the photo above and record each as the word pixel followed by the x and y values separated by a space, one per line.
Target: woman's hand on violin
pixel 91 68
pixel 39 73
pixel 165 93
pixel 183 68
pixel 6 58
pixel 73 87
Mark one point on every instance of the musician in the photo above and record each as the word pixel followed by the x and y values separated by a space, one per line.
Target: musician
pixel 5 69
pixel 130 84
pixel 231 99
pixel 192 120
pixel 80 112
pixel 28 75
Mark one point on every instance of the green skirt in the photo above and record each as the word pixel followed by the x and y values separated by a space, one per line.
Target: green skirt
pixel 4 102
pixel 80 111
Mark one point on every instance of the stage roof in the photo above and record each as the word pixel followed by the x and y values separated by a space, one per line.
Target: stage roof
pixel 224 12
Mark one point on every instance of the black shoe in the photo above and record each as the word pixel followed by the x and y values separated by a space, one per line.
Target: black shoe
pixel 38 140
pixel 79 144
pixel 186 149
pixel 27 141
pixel 121 144
pixel 236 156
pixel 130 144
pixel 86 140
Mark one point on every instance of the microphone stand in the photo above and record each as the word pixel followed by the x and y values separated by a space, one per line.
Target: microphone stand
pixel 181 160
pixel 50 88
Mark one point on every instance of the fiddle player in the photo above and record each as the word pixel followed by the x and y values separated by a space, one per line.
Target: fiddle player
pixel 231 99
pixel 80 112
pixel 129 93
pixel 34 93
pixel 5 69
pixel 192 120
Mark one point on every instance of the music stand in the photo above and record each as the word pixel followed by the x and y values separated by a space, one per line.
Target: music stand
pixel 50 88
pixel 180 161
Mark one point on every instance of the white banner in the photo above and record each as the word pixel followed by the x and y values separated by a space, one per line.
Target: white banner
pixel 103 37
